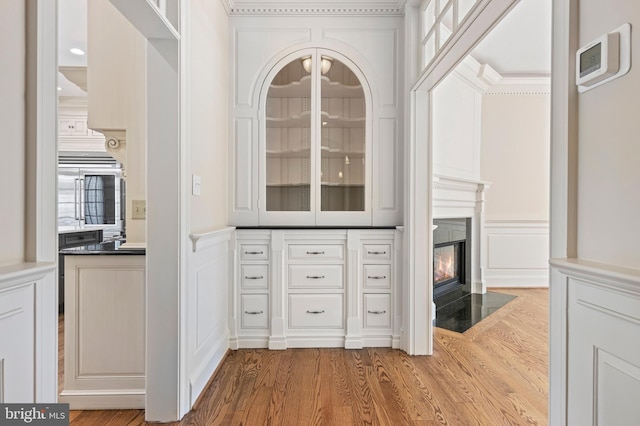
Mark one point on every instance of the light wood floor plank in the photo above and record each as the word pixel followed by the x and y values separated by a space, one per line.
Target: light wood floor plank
pixel 493 374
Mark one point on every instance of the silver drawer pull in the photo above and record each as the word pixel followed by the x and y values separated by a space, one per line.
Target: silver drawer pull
pixel 315 277
pixel 316 312
pixel 377 252
pixel 253 252
pixel 377 312
pixel 377 277
pixel 315 252
pixel 254 312
pixel 254 278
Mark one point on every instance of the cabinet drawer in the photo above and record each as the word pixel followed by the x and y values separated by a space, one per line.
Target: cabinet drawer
pixel 377 311
pixel 254 251
pixel 74 239
pixel 377 252
pixel 316 252
pixel 255 310
pixel 255 276
pixel 377 276
pixel 315 311
pixel 315 276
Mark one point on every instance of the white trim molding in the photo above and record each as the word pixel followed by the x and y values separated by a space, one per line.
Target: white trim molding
pixel 203 240
pixel 310 7
pixel 484 78
pixel 516 253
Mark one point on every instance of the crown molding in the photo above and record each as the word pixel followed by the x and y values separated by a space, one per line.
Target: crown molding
pixel 311 7
pixel 486 80
pixel 228 5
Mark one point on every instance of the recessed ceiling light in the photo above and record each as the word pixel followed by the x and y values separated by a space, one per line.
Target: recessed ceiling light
pixel 77 51
pixel 59 88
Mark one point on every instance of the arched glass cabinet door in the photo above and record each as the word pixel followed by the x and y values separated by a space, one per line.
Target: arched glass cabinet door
pixel 342 136
pixel 316 165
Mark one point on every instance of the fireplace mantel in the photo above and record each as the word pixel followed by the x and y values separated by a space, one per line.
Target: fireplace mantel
pixel 464 198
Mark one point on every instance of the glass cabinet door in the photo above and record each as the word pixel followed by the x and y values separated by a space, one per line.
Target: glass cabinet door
pixel 315 163
pixel 342 149
pixel 288 140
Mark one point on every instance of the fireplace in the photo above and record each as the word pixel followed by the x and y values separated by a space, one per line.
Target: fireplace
pixel 448 267
pixel 450 256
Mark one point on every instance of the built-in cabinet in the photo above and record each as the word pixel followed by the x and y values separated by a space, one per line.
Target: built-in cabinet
pixel 316 180
pixel 316 288
pixel 73 133
pixel 316 116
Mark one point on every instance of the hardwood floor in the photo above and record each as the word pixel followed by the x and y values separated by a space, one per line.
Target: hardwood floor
pixel 493 374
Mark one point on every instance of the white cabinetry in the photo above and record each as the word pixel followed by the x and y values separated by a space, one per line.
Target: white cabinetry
pixel 251 289
pixel 73 133
pixel 315 151
pixel 104 332
pixel 316 110
pixel 72 126
pixel 316 288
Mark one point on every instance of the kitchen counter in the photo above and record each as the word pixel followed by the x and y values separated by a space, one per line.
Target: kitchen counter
pixel 81 228
pixel 104 248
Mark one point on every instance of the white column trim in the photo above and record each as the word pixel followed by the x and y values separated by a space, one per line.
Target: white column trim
pixel 41 239
pixel 563 213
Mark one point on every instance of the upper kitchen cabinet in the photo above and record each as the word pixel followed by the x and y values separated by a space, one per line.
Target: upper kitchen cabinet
pixel 317 106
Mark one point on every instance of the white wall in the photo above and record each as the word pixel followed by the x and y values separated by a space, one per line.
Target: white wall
pixel 608 171
pixel 209 118
pixel 209 274
pixel 12 128
pixel 116 89
pixel 457 110
pixel 515 156
pixel 595 378
pixel 515 159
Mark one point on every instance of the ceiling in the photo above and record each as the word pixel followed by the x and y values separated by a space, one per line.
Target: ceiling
pixel 72 32
pixel 520 45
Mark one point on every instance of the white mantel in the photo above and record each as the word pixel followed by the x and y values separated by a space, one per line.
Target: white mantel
pixel 462 198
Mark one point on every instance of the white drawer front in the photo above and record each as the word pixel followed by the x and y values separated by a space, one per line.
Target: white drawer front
pixel 377 276
pixel 316 251
pixel 255 311
pixel 315 276
pixel 315 311
pixel 377 311
pixel 377 252
pixel 255 276
pixel 254 251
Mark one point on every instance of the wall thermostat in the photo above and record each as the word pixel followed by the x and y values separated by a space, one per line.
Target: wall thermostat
pixel 604 59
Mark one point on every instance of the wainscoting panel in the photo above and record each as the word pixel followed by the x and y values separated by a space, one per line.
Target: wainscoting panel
pixel 516 254
pixel 17 349
pixel 208 312
pixel 26 326
pixel 603 346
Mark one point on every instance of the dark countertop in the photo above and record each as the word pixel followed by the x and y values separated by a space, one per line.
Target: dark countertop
pixel 105 248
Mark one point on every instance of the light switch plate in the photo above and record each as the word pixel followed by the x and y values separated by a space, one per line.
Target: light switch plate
pixel 196 185
pixel 138 209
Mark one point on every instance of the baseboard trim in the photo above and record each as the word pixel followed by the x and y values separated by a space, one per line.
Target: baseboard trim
pixel 131 399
